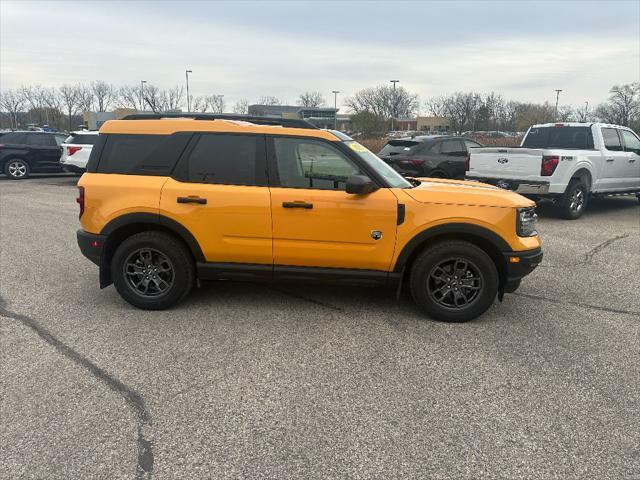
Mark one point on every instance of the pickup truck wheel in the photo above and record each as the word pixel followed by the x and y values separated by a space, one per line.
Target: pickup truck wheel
pixel 16 169
pixel 454 281
pixel 152 270
pixel 575 199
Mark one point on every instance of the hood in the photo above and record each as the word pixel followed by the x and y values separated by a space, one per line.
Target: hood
pixel 460 192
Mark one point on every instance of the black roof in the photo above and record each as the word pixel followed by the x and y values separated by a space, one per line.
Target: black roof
pixel 283 122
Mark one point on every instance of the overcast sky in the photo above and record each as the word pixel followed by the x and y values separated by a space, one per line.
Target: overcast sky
pixel 520 49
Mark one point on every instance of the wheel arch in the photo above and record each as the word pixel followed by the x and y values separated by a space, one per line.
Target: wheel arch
pixel 121 228
pixel 584 173
pixel 490 242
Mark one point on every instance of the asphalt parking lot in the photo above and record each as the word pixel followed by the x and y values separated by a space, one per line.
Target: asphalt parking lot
pixel 259 381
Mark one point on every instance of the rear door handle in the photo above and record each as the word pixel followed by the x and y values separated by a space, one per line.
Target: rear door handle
pixel 305 205
pixel 201 201
pixel 609 159
pixel 632 160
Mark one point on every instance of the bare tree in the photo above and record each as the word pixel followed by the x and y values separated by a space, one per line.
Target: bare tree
pixel 128 96
pixel 52 105
pixel 172 98
pixel 384 101
pixel 35 97
pixel 311 99
pixel 86 98
pixel 583 114
pixel 198 104
pixel 12 102
pixel 436 106
pixel 269 100
pixel 241 106
pixel 215 103
pixel 623 106
pixel 104 94
pixel 153 98
pixel 565 113
pixel 70 95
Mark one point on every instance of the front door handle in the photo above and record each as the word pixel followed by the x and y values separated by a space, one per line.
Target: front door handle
pixel 305 205
pixel 631 160
pixel 609 159
pixel 201 201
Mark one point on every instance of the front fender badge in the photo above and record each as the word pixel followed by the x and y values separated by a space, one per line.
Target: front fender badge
pixel 376 234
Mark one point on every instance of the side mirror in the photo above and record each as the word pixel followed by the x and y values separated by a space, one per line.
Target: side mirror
pixel 360 185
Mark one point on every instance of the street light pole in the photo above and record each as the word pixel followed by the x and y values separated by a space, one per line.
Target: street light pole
pixel 186 74
pixel 335 107
pixel 393 113
pixel 557 98
pixel 142 82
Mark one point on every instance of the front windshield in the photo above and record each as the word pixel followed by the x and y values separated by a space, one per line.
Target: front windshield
pixel 393 178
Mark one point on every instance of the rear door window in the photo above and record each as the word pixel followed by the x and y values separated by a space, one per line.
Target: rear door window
pixel 41 140
pixel 631 142
pixel 399 147
pixel 611 139
pixel 453 148
pixel 570 138
pixel 225 159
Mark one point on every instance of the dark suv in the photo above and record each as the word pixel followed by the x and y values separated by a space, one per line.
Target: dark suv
pixel 439 156
pixel 22 153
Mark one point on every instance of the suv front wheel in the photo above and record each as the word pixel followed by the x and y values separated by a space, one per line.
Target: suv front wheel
pixel 454 281
pixel 152 270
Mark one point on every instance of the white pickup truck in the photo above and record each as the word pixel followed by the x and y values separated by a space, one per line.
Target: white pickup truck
pixel 566 162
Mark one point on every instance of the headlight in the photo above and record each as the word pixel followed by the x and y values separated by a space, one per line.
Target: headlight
pixel 526 222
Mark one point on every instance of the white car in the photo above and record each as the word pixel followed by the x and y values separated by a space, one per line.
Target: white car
pixel 76 150
pixel 566 162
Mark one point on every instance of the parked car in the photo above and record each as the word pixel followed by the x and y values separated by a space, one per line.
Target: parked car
pixel 167 201
pixel 565 162
pixel 76 150
pixel 26 152
pixel 435 156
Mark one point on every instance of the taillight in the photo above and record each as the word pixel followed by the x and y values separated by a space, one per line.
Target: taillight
pixel 72 150
pixel 412 161
pixel 80 200
pixel 467 162
pixel 549 164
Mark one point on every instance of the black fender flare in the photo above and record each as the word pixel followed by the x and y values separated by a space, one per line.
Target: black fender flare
pixel 449 229
pixel 133 219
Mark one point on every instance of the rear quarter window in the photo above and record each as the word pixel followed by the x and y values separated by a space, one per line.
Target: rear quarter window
pixel 141 154
pixel 398 147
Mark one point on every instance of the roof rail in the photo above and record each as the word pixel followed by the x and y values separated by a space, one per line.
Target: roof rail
pixel 283 122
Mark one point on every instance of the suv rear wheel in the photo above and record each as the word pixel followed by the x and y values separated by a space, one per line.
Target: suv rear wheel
pixel 16 169
pixel 454 281
pixel 152 270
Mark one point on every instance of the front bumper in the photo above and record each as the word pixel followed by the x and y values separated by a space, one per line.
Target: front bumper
pixel 521 264
pixel 91 245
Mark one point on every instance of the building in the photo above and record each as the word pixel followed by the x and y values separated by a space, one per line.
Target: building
pixel 433 124
pixel 322 117
pixel 94 120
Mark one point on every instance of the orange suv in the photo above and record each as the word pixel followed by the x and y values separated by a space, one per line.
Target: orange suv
pixel 169 199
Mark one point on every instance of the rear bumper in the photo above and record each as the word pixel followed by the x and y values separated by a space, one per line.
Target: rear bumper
pixel 525 187
pixel 91 245
pixel 72 168
pixel 521 264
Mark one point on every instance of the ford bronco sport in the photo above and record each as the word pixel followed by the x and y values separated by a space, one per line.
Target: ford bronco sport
pixel 168 200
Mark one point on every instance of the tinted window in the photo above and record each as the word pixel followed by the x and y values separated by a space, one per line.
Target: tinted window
pixel 306 163
pixel 436 148
pixel 224 159
pixel 41 139
pixel 82 139
pixel 559 137
pixel 452 147
pixel 631 142
pixel 398 147
pixel 122 153
pixel 611 139
pixel 14 138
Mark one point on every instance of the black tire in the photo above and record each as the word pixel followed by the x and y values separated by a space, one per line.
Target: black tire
pixel 135 259
pixel 427 287
pixel 574 200
pixel 17 169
